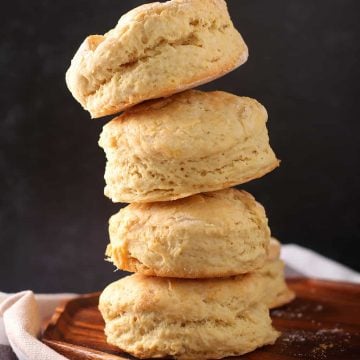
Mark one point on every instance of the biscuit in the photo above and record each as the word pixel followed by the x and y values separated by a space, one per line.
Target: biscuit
pixel 276 291
pixel 189 143
pixel 155 50
pixel 187 319
pixel 274 249
pixel 214 234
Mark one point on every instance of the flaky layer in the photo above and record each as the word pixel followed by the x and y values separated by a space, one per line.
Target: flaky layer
pixel 155 50
pixel 214 234
pixel 189 143
pixel 189 319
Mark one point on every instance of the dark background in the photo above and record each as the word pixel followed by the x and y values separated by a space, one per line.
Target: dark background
pixel 303 66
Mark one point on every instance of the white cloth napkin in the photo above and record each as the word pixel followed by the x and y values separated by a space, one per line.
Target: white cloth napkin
pixel 21 318
pixel 23 315
pixel 308 263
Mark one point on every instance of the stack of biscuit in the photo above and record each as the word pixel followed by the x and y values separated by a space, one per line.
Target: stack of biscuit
pixel 206 268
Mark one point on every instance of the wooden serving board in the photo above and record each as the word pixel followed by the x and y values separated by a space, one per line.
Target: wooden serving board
pixel 323 322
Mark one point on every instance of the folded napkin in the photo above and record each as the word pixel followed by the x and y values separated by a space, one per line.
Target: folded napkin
pixel 23 315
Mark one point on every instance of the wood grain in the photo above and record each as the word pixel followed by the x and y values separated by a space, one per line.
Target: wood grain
pixel 323 322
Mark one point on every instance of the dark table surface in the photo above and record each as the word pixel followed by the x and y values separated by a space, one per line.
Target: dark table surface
pixel 303 66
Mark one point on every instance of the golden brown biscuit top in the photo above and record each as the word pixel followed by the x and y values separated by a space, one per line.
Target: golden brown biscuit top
pixel 181 297
pixel 189 125
pixel 217 212
pixel 201 8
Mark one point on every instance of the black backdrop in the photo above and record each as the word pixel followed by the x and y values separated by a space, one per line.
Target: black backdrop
pixel 303 66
